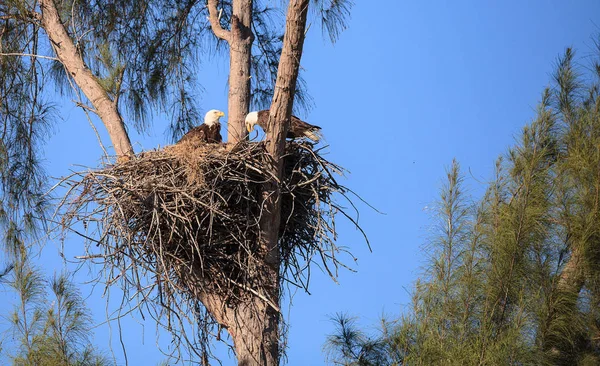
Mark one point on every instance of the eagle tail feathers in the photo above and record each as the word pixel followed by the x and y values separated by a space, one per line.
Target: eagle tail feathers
pixel 315 135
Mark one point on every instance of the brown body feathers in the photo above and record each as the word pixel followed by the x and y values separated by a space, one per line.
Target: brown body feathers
pixel 298 128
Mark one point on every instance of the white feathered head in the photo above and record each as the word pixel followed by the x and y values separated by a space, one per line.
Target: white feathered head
pixel 251 120
pixel 211 117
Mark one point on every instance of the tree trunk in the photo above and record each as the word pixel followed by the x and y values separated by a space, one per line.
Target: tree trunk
pixel 71 59
pixel 256 334
pixel 279 119
pixel 572 277
pixel 240 58
pixel 254 324
pixel 251 325
pixel 240 39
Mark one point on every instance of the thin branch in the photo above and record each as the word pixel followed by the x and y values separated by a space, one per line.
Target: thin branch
pixel 29 55
pixel 262 297
pixel 70 57
pixel 85 110
pixel 30 17
pixel 175 223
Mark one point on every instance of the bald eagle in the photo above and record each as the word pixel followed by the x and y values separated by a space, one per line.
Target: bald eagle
pixel 298 128
pixel 209 131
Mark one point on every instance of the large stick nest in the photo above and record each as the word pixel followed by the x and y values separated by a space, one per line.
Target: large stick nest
pixel 187 217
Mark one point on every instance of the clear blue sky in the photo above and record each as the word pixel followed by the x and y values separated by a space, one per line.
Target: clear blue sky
pixel 409 86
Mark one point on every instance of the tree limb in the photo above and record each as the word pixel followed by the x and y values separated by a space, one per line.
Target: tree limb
pixel 215 23
pixel 71 59
pixel 279 118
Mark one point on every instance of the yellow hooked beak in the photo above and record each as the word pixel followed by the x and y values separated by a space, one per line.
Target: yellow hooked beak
pixel 249 127
pixel 220 114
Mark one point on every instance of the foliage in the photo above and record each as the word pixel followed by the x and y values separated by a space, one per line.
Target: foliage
pixel 513 278
pixel 145 55
pixel 25 120
pixel 44 333
pixel 350 346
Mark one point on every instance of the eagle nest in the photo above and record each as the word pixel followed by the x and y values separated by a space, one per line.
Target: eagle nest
pixel 171 221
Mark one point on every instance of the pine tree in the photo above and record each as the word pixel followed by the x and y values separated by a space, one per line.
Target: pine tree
pixel 512 279
pixel 127 61
pixel 46 330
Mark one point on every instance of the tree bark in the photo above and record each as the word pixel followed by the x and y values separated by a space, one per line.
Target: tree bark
pixel 240 58
pixel 279 119
pixel 240 39
pixel 73 62
pixel 572 277
pixel 570 283
pixel 251 326
pixel 254 324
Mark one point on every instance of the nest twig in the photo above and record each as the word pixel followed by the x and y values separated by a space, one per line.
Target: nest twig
pixel 183 220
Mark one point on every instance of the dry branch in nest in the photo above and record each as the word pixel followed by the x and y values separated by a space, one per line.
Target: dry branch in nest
pixel 176 223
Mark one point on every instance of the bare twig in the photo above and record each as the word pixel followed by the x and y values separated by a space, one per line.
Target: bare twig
pixel 18 54
pixel 173 226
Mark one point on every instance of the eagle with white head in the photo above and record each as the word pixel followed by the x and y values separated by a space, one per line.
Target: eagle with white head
pixel 209 131
pixel 298 128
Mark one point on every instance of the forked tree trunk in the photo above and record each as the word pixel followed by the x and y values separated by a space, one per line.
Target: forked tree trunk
pixel 71 59
pixel 254 325
pixel 257 342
